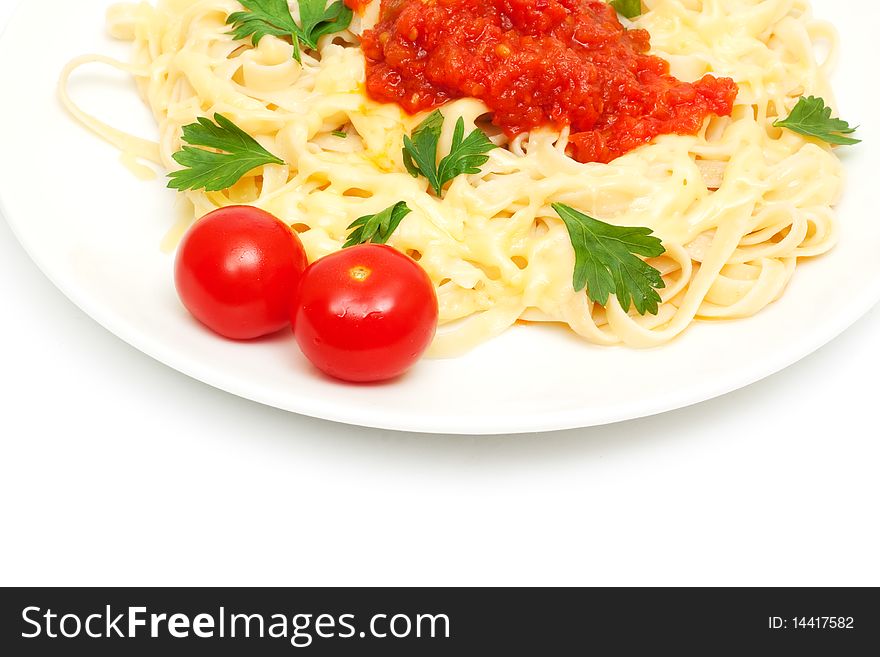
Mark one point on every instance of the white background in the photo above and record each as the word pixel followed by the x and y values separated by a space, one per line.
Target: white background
pixel 116 470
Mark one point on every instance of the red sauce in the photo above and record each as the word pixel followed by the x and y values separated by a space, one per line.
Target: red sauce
pixel 357 5
pixel 536 63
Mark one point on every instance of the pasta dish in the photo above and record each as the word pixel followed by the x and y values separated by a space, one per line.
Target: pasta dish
pixel 582 140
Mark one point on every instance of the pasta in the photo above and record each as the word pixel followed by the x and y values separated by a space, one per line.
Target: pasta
pixel 736 205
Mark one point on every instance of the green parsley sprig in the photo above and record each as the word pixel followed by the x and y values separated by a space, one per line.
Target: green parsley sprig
pixel 607 262
pixel 377 228
pixel 211 170
pixel 810 117
pixel 466 155
pixel 265 17
pixel 629 8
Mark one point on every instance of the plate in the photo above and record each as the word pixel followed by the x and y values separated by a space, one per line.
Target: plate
pixel 95 231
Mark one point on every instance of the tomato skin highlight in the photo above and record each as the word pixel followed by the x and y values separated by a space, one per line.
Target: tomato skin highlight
pixel 365 314
pixel 236 271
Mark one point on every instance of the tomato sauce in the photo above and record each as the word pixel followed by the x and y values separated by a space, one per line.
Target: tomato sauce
pixel 357 5
pixel 536 63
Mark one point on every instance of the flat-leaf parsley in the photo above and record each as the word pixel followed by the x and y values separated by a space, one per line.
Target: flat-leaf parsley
pixel 607 262
pixel 466 156
pixel 273 17
pixel 377 228
pixel 812 118
pixel 628 8
pixel 211 170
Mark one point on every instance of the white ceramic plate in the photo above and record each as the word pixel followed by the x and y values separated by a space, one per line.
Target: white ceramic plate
pixel 95 231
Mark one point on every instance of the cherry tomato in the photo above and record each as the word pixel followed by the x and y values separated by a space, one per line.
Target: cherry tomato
pixel 237 270
pixel 365 314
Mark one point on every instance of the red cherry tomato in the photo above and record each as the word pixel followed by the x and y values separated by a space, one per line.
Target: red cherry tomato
pixel 237 270
pixel 365 314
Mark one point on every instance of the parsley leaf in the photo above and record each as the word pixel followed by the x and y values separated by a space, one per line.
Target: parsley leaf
pixel 606 261
pixel 213 171
pixel 466 155
pixel 261 18
pixel 318 19
pixel 264 17
pixel 377 228
pixel 420 152
pixel 812 118
pixel 628 8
